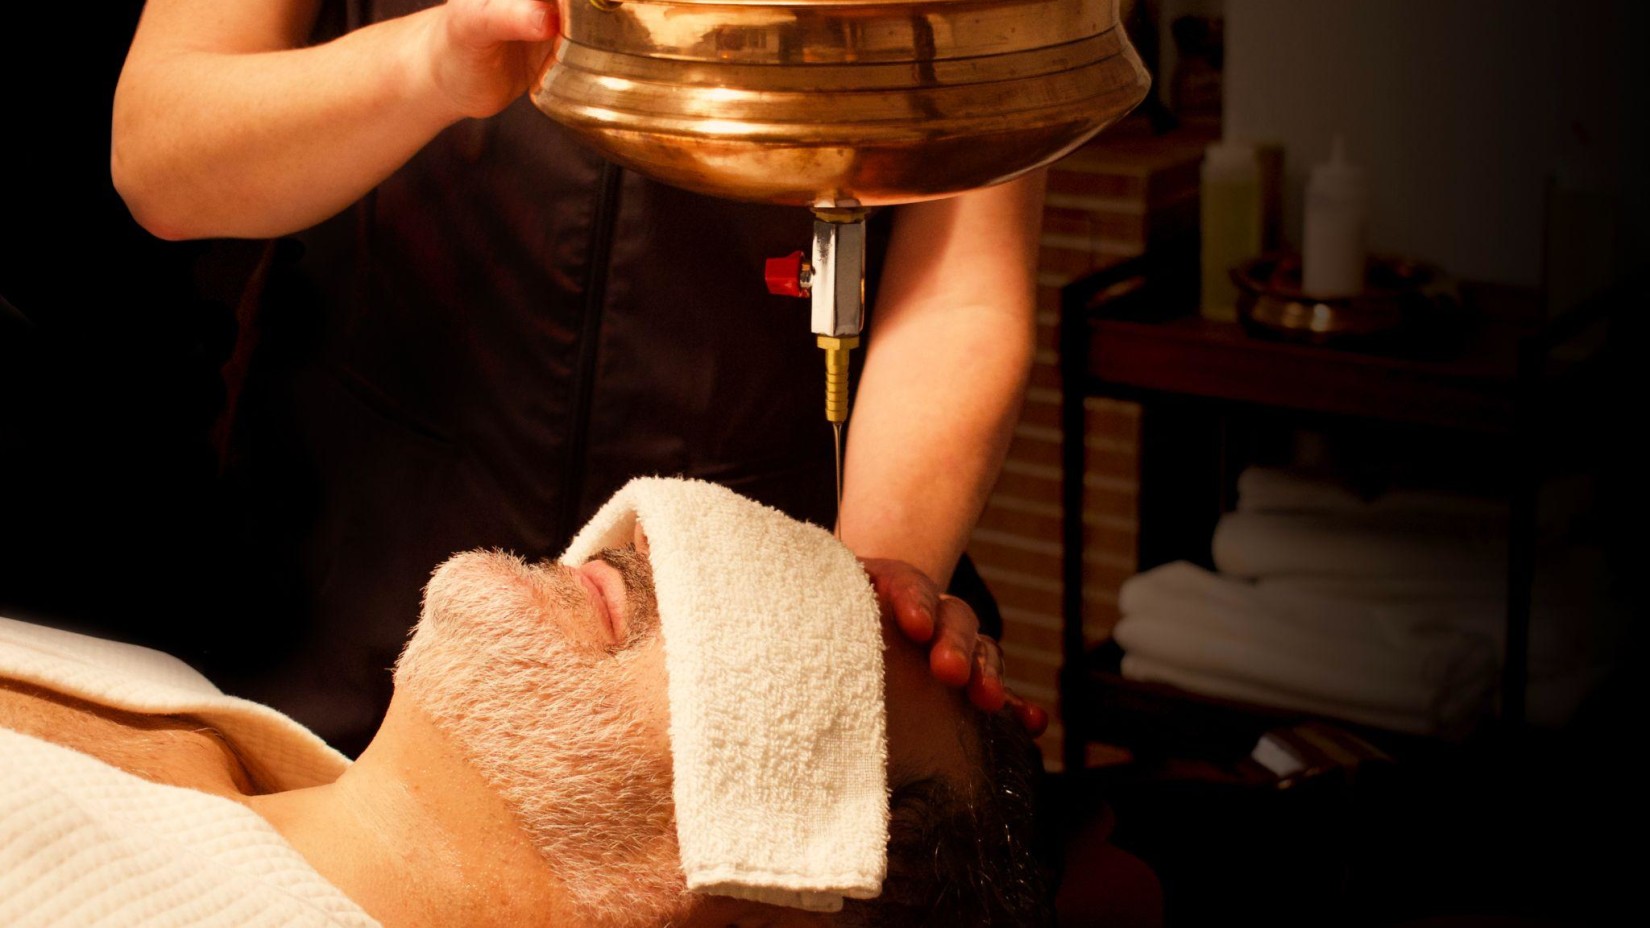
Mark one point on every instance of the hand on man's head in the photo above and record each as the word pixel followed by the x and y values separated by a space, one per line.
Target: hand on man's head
pixel 960 655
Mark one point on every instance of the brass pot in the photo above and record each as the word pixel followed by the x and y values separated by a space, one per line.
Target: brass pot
pixel 838 102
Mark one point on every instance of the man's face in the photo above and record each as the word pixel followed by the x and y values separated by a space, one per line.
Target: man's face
pixel 547 679
pixel 552 681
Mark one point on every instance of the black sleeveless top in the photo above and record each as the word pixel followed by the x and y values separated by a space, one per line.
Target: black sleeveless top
pixel 477 355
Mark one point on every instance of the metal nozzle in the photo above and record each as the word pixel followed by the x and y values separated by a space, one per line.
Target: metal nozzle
pixel 836 375
pixel 836 281
pixel 838 292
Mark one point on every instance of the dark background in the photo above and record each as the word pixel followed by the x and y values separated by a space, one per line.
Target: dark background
pixel 111 343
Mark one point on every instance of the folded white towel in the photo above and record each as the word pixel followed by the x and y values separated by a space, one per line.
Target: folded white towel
pixel 1271 489
pixel 773 646
pixel 1562 504
pixel 1321 650
pixel 1266 544
pixel 1147 670
pixel 1575 621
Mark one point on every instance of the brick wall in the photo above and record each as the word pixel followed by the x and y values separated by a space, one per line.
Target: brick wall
pixel 1110 200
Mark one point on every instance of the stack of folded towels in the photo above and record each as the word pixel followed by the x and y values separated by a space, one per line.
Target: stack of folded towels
pixel 1389 612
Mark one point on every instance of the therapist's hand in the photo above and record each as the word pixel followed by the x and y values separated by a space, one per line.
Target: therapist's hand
pixel 485 53
pixel 960 655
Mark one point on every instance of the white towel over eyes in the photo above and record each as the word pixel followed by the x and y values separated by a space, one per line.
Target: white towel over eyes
pixel 773 645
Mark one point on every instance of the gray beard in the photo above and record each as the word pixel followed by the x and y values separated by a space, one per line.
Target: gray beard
pixel 550 728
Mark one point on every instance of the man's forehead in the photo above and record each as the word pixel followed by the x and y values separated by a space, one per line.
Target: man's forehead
pixel 928 722
pixel 929 735
pixel 773 660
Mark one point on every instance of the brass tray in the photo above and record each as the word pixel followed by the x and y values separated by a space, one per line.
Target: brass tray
pixel 1403 300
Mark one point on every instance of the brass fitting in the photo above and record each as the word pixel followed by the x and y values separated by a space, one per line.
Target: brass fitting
pixel 836 375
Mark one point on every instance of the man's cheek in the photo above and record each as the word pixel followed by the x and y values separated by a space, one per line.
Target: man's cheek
pixel 646 684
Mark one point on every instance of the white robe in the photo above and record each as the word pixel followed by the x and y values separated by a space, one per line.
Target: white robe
pixel 83 843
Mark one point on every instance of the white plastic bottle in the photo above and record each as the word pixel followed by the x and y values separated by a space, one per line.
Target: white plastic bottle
pixel 1231 223
pixel 1337 219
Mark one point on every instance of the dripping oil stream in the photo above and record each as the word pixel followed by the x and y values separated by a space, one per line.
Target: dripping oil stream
pixel 836 429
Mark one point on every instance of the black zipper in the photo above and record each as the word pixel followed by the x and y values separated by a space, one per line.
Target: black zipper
pixel 603 227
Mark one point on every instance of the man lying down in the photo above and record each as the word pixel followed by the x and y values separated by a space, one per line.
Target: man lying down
pixel 681 724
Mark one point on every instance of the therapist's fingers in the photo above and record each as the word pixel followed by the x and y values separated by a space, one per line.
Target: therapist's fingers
pixel 482 54
pixel 484 22
pixel 906 595
pixel 913 602
pixel 957 632
pixel 988 691
pixel 1033 718
pixel 985 687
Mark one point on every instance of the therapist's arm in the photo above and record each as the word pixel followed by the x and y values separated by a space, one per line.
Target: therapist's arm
pixel 949 353
pixel 226 125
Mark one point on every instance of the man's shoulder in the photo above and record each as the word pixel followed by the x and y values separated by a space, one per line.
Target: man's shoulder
pixel 132 682
pixel 158 748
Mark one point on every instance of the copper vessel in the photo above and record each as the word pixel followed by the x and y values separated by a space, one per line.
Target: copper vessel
pixel 838 102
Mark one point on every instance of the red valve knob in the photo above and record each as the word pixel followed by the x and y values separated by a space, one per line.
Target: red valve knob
pixel 784 275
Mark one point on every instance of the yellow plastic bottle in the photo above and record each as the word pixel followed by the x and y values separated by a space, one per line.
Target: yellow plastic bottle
pixel 1231 220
